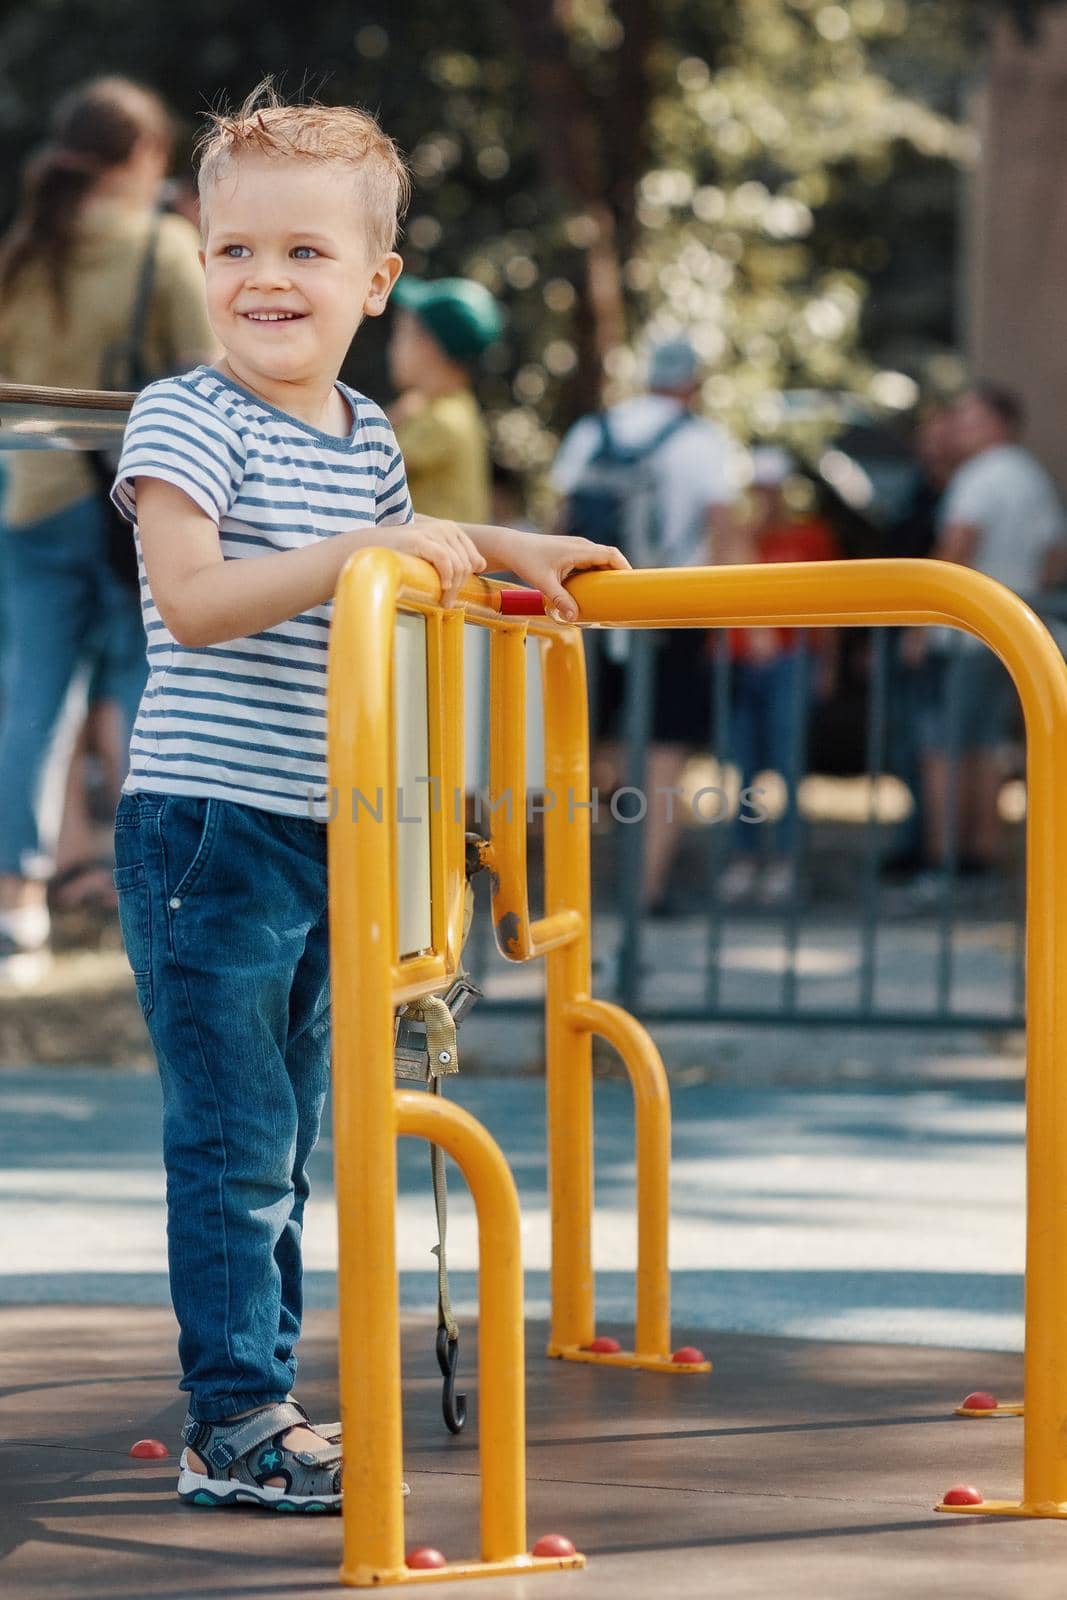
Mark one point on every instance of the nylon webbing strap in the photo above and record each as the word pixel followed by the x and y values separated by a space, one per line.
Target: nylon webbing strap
pixel 440 1027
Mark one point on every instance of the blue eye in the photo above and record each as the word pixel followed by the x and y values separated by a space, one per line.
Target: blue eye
pixel 230 248
pixel 311 251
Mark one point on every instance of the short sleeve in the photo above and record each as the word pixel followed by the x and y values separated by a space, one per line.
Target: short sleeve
pixel 177 436
pixel 967 497
pixel 575 454
pixel 394 502
pixel 708 462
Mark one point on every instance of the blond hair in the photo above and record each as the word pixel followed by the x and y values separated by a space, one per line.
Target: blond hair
pixel 266 126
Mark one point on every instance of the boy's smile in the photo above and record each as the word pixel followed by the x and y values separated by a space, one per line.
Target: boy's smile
pixel 272 316
pixel 290 274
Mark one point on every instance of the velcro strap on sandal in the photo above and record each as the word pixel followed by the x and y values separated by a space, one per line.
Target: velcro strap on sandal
pixel 229 1440
pixel 324 1455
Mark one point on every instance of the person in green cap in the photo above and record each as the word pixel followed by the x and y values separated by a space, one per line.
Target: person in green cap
pixel 440 330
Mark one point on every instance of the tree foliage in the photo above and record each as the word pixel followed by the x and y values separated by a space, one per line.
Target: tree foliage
pixel 777 177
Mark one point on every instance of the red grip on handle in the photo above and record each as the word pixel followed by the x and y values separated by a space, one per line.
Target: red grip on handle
pixel 522 603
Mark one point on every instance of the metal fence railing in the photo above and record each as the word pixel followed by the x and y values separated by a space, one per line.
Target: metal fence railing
pixel 848 944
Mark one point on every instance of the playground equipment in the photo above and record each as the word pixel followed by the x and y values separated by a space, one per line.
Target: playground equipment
pixel 408 946
pixel 376 966
pixel 396 921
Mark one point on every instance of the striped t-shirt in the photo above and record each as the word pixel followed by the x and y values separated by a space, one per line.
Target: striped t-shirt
pixel 245 719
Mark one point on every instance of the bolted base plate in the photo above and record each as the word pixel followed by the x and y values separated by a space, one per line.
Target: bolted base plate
pixel 514 1566
pixel 1009 1408
pixel 624 1358
pixel 1012 1508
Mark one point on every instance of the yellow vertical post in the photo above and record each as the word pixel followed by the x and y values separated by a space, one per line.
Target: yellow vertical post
pixel 362 875
pixel 501 1344
pixel 366 973
pixel 453 792
pixel 652 1121
pixel 1040 676
pixel 568 978
pixel 915 593
pixel 507 787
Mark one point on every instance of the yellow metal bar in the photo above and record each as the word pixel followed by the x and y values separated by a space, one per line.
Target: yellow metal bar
pixel 518 938
pixel 362 878
pixel 843 593
pixel 568 1052
pixel 368 1113
pixel 501 1377
pixel 507 791
pixel 859 593
pixel 652 1116
pixel 453 790
pixel 437 741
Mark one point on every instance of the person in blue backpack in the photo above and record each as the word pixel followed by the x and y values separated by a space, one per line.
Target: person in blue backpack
pixel 652 477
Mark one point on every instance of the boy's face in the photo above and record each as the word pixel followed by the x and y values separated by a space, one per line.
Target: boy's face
pixel 289 269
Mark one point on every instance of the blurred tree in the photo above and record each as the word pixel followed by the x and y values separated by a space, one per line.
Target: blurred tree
pixel 778 176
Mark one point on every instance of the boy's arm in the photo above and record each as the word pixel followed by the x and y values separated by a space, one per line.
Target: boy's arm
pixel 204 599
pixel 542 560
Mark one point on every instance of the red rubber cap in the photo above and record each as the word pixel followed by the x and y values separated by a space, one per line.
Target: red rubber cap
pixel 688 1356
pixel 522 603
pixel 149 1449
pixel 980 1400
pixel 603 1347
pixel 963 1494
pixel 553 1544
pixel 425 1556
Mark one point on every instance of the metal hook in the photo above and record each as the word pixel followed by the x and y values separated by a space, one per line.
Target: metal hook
pixel 453 1405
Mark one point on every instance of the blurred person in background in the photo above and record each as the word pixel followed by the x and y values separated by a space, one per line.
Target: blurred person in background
pixel 508 499
pixel 86 238
pixel 913 534
pixel 776 674
pixel 1002 516
pixel 439 331
pixel 690 462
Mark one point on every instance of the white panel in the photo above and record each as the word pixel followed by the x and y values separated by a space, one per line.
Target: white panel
pixel 412 799
pixel 535 730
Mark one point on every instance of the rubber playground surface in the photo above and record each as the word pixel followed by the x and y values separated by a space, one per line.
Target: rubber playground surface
pixel 858 1249
pixel 798 1469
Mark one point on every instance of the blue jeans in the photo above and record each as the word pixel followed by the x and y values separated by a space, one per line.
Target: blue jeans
pixel 769 732
pixel 63 609
pixel 224 918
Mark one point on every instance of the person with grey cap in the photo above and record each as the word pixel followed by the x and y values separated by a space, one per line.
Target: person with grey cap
pixel 686 466
pixel 439 332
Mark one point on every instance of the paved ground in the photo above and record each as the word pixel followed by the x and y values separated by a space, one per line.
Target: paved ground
pixel 796 1469
pixel 847 1245
pixel 882 1213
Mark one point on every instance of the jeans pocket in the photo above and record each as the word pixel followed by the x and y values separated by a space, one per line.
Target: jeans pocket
pixel 189 827
pixel 135 919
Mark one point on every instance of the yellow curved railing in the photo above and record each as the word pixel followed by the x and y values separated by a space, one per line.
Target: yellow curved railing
pixel 369 980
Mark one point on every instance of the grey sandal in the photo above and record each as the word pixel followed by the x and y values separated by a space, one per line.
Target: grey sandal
pixel 332 1432
pixel 241 1455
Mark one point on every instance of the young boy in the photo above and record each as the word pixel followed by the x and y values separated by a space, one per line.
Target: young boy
pixel 250 483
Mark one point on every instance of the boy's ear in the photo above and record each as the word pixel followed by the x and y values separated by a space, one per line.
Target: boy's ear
pixel 385 275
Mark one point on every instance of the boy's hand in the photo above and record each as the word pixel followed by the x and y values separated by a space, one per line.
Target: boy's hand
pixel 544 560
pixel 444 545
